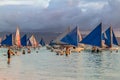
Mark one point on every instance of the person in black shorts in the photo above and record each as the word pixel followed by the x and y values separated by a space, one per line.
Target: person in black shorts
pixel 9 56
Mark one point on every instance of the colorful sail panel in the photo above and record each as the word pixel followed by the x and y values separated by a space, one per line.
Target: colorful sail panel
pixel 72 37
pixel 42 42
pixel 24 40
pixel 17 38
pixel 8 41
pixel 95 37
pixel 33 41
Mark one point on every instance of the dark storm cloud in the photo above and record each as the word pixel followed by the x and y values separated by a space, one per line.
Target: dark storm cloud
pixel 59 14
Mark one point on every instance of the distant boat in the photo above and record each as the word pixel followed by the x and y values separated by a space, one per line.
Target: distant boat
pixel 110 38
pixel 17 38
pixel 24 40
pixel 8 41
pixel 73 37
pixel 52 43
pixel 42 42
pixel 95 37
pixel 33 41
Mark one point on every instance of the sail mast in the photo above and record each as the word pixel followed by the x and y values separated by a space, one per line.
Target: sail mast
pixel 101 36
pixel 111 36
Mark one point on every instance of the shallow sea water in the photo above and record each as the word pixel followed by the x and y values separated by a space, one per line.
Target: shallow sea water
pixel 46 65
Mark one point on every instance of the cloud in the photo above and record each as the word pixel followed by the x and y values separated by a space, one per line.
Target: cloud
pixel 56 15
pixel 92 5
pixel 40 3
pixel 3 3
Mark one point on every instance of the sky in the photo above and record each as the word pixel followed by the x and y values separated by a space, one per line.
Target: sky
pixel 57 15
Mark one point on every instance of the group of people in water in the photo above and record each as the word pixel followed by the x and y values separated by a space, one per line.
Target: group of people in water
pixel 10 53
pixel 62 52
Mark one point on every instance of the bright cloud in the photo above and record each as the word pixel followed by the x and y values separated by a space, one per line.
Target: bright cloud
pixel 92 5
pixel 41 3
pixel 3 3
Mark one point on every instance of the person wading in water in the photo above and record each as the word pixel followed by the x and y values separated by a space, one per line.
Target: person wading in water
pixel 9 55
pixel 67 52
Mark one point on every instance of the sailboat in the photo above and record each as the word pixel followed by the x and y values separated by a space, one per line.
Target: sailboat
pixel 110 38
pixel 42 42
pixel 24 40
pixel 52 43
pixel 17 38
pixel 57 44
pixel 94 38
pixel 8 41
pixel 72 39
pixel 33 41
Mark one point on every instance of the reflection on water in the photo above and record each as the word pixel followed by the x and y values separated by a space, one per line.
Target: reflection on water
pixel 45 65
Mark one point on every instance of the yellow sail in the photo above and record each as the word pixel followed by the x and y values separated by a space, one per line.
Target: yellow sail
pixel 17 38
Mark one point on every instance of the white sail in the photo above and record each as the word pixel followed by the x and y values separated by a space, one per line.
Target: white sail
pixel 33 41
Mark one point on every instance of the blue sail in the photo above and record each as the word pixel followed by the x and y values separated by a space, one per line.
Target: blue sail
pixel 115 42
pixel 42 42
pixel 71 38
pixel 7 41
pixel 52 43
pixel 103 36
pixel 24 40
pixel 110 37
pixel 95 37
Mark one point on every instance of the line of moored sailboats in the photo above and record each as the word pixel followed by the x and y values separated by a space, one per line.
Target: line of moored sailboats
pixel 96 39
pixel 19 42
pixel 69 41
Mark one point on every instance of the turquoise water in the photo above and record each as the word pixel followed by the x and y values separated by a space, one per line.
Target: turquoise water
pixel 46 65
